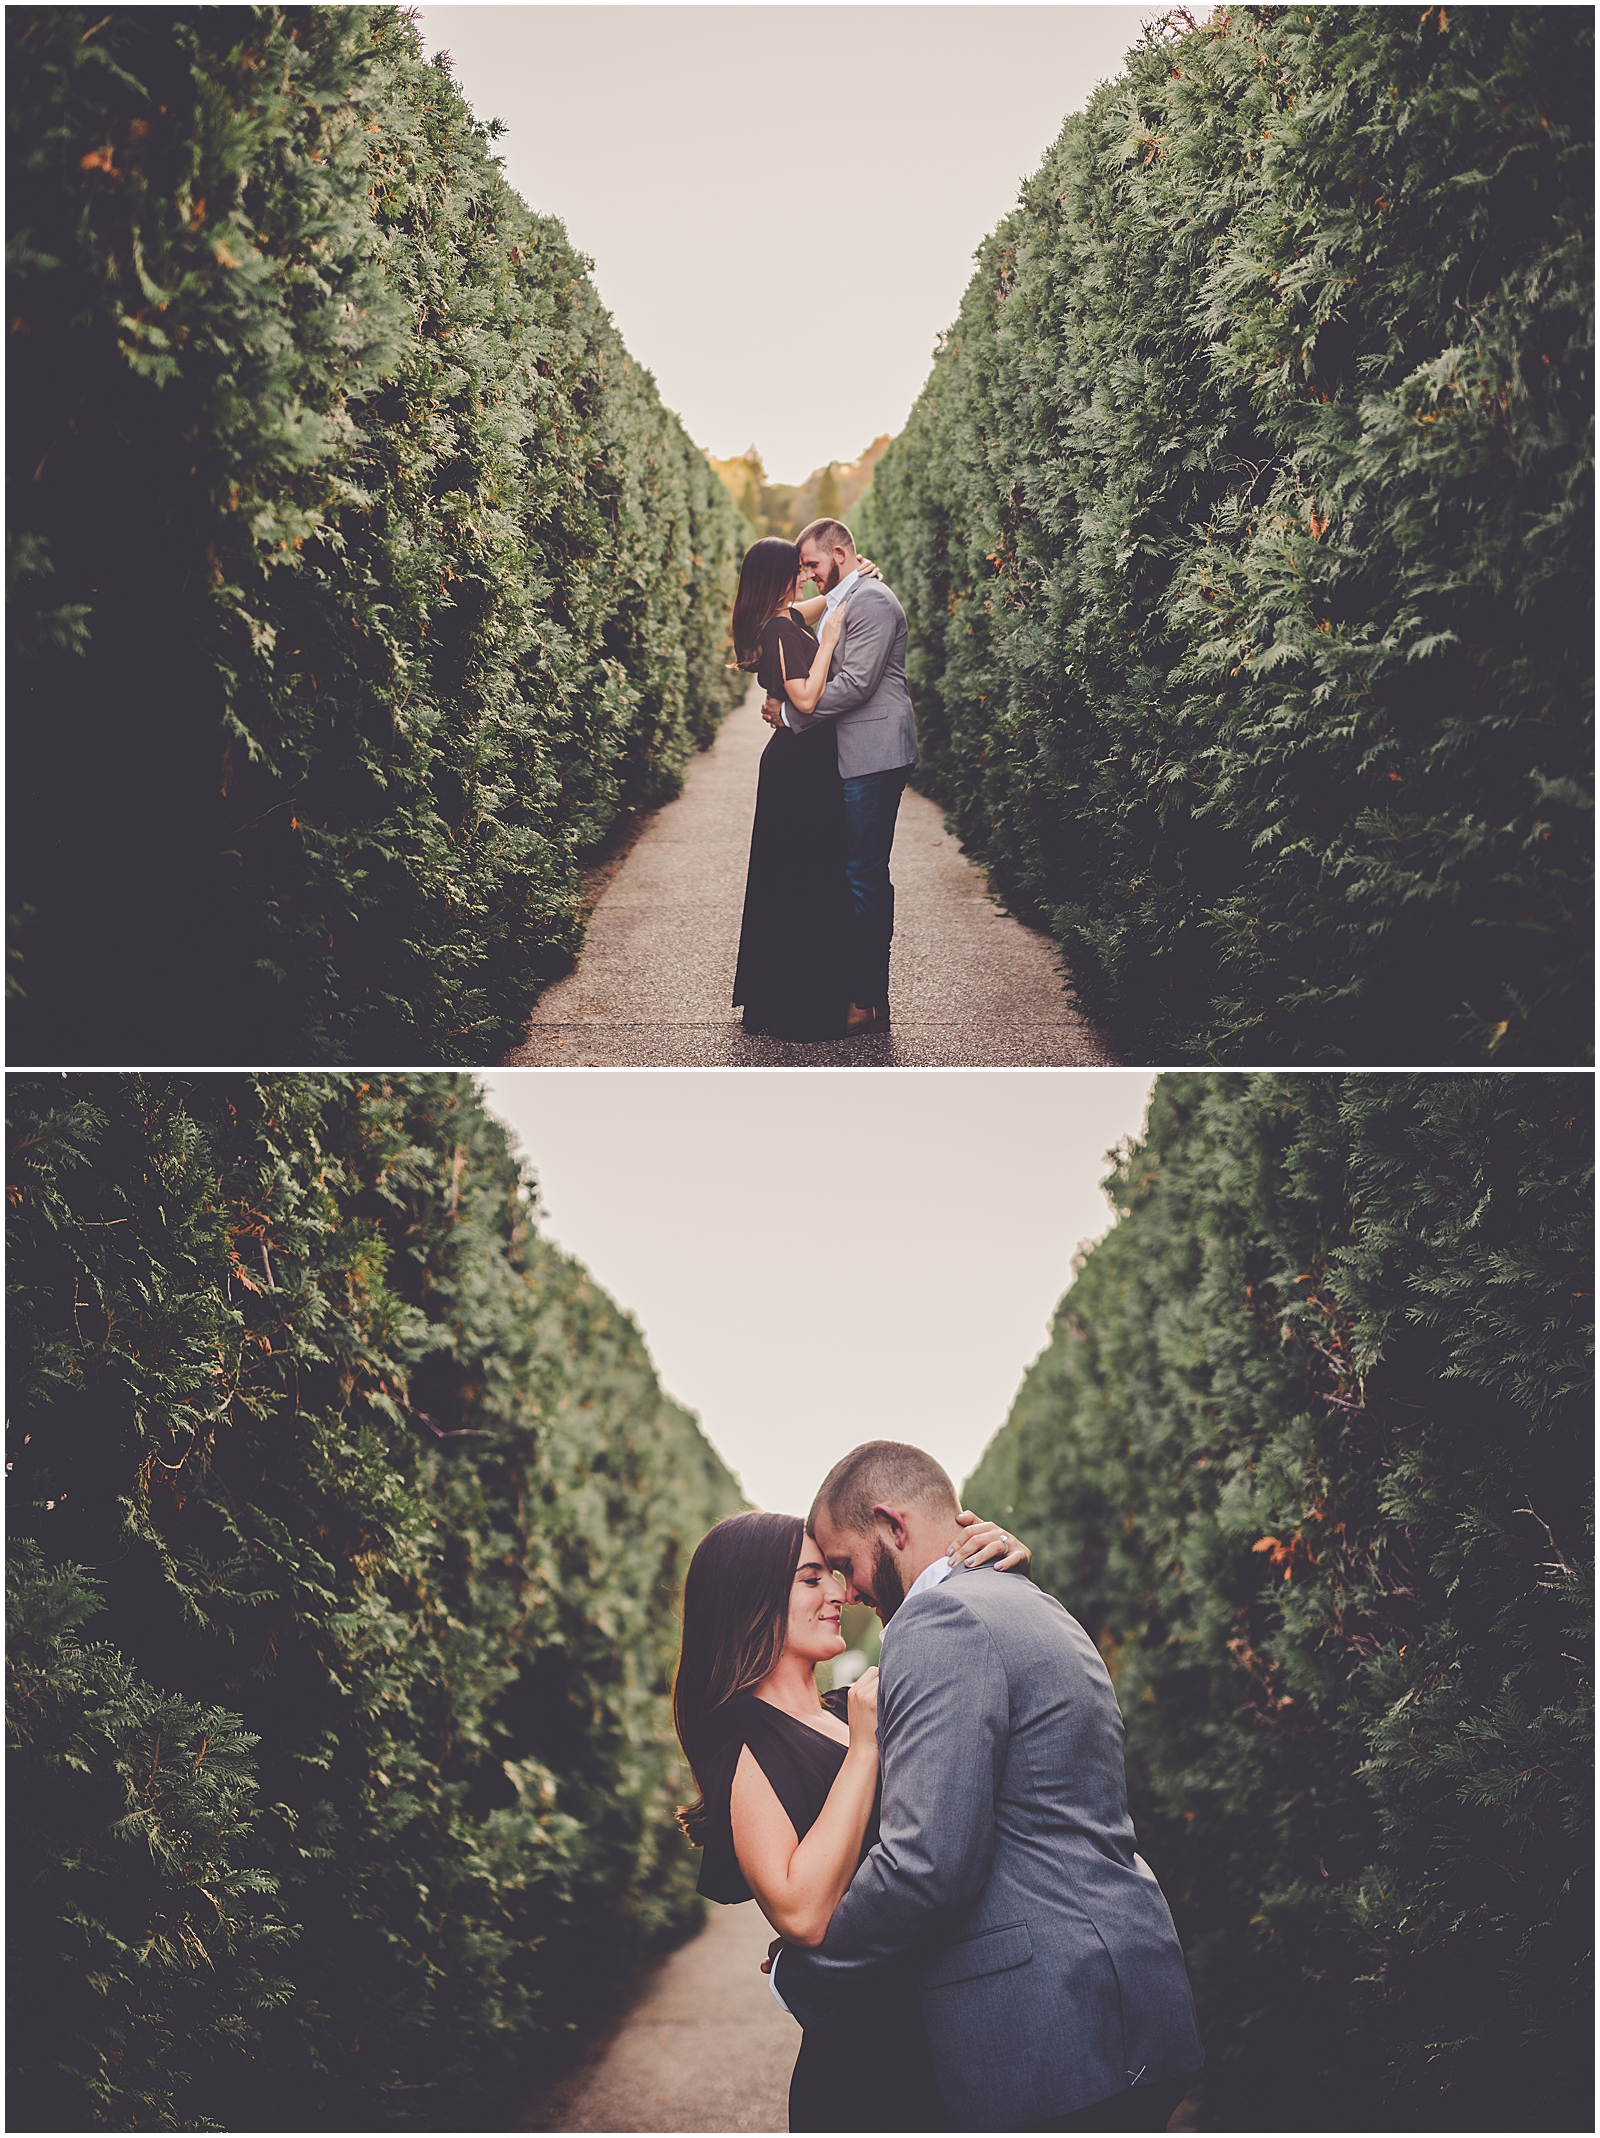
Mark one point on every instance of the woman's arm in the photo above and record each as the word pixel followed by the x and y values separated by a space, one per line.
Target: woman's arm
pixel 952 1726
pixel 798 1884
pixel 803 692
pixel 809 611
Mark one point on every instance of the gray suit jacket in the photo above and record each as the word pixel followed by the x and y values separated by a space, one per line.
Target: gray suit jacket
pixel 1050 1971
pixel 866 695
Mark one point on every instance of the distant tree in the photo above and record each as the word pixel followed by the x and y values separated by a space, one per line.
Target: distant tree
pixel 855 478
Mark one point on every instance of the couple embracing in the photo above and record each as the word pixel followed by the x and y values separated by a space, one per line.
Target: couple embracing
pixel 819 904
pixel 966 1934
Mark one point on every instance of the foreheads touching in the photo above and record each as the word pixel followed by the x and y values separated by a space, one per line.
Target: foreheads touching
pixel 827 553
pixel 876 1510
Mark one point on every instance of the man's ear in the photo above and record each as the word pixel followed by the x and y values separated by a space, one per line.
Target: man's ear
pixel 897 1527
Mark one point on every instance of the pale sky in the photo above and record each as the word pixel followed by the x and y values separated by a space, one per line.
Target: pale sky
pixel 821 1259
pixel 782 203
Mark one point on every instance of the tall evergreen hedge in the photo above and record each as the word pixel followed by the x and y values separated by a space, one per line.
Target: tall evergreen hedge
pixel 347 1519
pixel 1310 1453
pixel 358 577
pixel 1245 530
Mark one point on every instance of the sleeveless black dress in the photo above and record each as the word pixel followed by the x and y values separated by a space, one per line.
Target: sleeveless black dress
pixel 795 942
pixel 866 2068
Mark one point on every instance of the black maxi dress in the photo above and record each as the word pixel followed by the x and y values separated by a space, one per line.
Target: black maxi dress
pixel 867 2068
pixel 794 945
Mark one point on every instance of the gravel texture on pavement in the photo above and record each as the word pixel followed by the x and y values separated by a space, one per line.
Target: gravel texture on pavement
pixel 704 2048
pixel 969 986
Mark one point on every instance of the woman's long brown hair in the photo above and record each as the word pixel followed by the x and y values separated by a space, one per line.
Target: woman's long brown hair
pixel 770 566
pixel 735 1621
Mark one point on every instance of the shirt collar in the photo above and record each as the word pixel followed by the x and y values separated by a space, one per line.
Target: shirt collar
pixel 931 1576
pixel 846 584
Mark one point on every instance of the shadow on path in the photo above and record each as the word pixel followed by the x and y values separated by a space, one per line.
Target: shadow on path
pixel 969 986
pixel 703 2048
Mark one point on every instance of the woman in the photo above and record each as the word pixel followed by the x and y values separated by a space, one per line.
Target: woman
pixel 791 978
pixel 788 1803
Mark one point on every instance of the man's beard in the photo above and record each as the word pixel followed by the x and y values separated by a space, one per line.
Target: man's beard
pixel 888 1590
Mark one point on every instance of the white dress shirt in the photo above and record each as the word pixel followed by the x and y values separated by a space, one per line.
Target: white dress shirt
pixel 933 1574
pixel 930 1577
pixel 833 600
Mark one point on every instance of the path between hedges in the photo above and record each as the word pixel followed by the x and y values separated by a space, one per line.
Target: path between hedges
pixel 704 2047
pixel 969 985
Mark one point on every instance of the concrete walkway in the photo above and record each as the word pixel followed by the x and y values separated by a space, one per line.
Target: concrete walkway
pixel 704 2049
pixel 969 985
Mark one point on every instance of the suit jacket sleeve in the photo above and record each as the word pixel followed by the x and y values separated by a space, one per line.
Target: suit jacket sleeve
pixel 943 1725
pixel 860 657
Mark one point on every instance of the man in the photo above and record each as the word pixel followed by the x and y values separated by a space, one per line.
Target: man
pixel 867 698
pixel 1053 1985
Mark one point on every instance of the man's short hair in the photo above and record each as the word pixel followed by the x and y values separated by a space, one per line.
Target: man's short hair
pixel 881 1472
pixel 832 534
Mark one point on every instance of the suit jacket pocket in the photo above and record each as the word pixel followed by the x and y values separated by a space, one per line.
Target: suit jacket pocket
pixel 991 1952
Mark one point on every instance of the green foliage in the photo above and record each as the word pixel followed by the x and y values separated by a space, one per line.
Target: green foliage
pixel 1310 1454
pixel 1244 529
pixel 359 575
pixel 359 1457
pixel 137 1932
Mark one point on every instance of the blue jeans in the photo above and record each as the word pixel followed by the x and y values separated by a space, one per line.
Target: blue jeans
pixel 870 805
